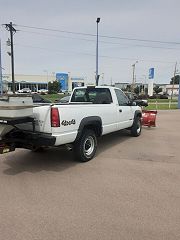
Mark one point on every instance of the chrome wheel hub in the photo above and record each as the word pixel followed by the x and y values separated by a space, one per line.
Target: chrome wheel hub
pixel 89 146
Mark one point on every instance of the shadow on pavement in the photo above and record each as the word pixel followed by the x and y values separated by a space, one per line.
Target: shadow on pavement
pixel 49 160
pixel 55 159
pixel 112 139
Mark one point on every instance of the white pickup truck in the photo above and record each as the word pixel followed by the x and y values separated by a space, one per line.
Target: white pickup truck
pixel 90 113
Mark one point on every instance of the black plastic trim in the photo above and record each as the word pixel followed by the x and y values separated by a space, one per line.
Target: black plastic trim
pixel 137 112
pixel 89 121
pixel 25 139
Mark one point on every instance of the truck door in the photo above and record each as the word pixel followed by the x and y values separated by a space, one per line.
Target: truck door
pixel 124 111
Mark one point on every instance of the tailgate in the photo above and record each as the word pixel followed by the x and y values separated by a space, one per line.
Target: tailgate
pixel 41 116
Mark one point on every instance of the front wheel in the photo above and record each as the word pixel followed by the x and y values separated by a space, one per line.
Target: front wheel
pixel 85 148
pixel 136 127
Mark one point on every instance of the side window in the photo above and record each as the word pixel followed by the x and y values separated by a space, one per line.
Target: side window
pixel 121 97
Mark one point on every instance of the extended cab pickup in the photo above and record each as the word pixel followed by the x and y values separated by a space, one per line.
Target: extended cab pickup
pixel 90 113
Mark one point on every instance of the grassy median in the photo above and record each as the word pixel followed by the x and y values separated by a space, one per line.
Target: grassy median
pixel 53 97
pixel 161 106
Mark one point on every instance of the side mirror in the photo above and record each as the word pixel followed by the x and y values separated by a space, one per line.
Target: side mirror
pixel 141 103
pixel 132 103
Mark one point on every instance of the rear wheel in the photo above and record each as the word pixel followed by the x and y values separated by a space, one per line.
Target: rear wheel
pixel 85 147
pixel 136 127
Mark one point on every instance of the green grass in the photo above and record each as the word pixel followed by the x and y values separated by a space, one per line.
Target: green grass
pixel 161 100
pixel 161 107
pixel 53 97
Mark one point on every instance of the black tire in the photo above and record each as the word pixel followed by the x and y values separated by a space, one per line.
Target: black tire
pixel 85 148
pixel 136 127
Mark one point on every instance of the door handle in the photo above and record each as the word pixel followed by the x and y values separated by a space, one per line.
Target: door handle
pixel 120 110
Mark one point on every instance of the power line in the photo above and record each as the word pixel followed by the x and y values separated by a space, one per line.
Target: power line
pixel 92 55
pixel 102 36
pixel 58 36
pixel 105 42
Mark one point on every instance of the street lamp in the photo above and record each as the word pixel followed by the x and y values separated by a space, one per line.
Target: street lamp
pixel 144 83
pixel 133 80
pixel 97 75
pixel 173 80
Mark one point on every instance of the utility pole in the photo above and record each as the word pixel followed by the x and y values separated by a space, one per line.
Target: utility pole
pixel 12 30
pixel 133 80
pixel 97 52
pixel 175 70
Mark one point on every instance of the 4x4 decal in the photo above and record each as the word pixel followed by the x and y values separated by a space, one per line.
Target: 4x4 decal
pixel 66 123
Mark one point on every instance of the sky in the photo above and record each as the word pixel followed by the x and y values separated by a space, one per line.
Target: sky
pixel 39 51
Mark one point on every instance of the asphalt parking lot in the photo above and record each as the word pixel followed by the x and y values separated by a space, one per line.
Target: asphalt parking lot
pixel 130 190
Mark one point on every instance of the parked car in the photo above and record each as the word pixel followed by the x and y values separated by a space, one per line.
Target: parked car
pixel 43 91
pixel 65 92
pixel 38 99
pixel 133 97
pixel 164 96
pixel 24 90
pixel 65 99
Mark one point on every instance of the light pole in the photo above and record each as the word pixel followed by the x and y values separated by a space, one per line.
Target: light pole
pixel 144 83
pixel 97 46
pixel 133 80
pixel 173 80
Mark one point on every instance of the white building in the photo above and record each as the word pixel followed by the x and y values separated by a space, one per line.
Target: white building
pixel 175 89
pixel 33 82
pixel 37 82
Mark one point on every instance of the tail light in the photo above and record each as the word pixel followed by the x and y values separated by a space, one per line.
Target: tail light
pixel 55 120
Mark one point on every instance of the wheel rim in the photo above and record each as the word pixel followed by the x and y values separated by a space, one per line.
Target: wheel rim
pixel 138 126
pixel 89 146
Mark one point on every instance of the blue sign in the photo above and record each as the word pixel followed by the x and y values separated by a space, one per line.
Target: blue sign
pixel 151 73
pixel 63 79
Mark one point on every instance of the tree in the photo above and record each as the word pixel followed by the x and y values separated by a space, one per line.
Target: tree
pixel 157 89
pixel 136 90
pixel 50 87
pixel 128 88
pixel 176 79
pixel 54 87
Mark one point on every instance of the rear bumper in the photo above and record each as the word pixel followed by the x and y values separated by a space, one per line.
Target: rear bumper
pixel 28 140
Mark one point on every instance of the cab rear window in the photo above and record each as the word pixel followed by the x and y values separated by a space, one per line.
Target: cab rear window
pixel 92 95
